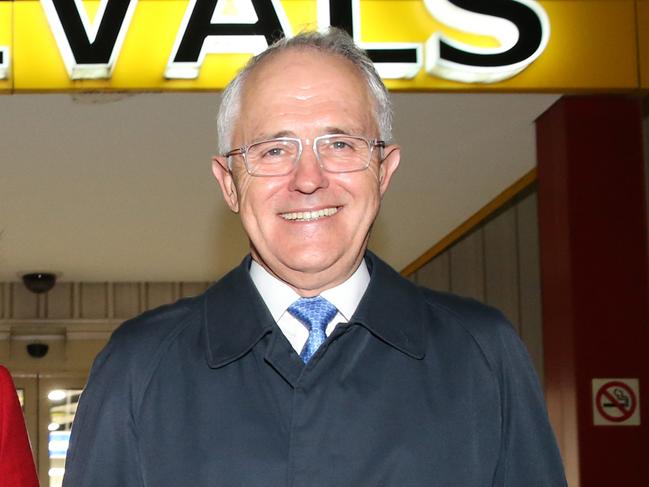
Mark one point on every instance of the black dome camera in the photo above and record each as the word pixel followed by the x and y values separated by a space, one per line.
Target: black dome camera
pixel 39 282
pixel 38 350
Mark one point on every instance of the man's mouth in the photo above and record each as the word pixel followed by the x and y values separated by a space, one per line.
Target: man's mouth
pixel 308 216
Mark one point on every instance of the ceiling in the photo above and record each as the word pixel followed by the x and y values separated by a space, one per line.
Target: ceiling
pixel 115 187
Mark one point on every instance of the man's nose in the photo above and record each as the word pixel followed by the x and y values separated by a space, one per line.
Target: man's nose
pixel 308 176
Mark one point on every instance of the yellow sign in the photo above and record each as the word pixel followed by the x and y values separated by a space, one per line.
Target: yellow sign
pixel 6 16
pixel 170 45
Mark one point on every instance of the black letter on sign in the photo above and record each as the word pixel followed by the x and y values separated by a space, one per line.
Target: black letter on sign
pixel 89 51
pixel 341 15
pixel 523 33
pixel 530 33
pixel 200 27
pixel 4 62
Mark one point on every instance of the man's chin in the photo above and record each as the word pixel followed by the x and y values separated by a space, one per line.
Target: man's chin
pixel 305 270
pixel 312 264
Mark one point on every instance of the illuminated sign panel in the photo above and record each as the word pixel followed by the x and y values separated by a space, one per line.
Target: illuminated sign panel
pixel 209 28
pixel 4 62
pixel 6 17
pixel 63 45
pixel 521 27
pixel 89 48
pixel 393 60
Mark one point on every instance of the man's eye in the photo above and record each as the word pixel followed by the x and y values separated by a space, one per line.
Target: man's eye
pixel 340 145
pixel 274 152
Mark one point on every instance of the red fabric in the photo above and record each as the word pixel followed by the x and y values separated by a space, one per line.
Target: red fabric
pixel 16 461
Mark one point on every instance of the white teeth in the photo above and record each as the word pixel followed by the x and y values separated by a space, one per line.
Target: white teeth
pixel 306 216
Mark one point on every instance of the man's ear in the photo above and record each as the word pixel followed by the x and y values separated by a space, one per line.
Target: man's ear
pixel 388 166
pixel 226 182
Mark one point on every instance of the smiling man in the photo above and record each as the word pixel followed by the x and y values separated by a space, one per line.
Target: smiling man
pixel 313 363
pixel 309 187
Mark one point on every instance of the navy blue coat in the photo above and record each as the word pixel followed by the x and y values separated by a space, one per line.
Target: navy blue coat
pixel 419 389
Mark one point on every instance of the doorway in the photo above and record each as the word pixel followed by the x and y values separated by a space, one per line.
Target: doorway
pixel 49 404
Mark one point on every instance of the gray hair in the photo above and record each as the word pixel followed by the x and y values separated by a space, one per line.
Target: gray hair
pixel 333 41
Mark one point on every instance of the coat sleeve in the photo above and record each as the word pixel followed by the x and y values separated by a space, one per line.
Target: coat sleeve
pixel 16 462
pixel 529 453
pixel 103 445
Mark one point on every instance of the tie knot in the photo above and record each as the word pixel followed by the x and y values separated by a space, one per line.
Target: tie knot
pixel 314 312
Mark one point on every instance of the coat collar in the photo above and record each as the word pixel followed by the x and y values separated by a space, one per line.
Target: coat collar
pixel 393 309
pixel 235 317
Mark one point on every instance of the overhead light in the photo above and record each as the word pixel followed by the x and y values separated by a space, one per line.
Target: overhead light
pixel 56 395
pixel 56 472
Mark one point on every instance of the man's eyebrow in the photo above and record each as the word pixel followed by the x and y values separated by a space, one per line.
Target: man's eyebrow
pixel 271 135
pixel 282 133
pixel 289 133
pixel 337 131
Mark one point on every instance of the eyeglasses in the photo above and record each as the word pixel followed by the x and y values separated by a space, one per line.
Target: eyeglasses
pixel 335 153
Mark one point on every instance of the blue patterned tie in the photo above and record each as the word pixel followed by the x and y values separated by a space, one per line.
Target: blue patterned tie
pixel 315 313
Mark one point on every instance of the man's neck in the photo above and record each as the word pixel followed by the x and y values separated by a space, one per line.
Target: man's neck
pixel 309 284
pixel 278 295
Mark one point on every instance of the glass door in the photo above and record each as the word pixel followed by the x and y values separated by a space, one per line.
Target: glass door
pixel 49 404
pixel 27 388
pixel 58 398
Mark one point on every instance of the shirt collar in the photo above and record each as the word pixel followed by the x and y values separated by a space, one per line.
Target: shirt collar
pixel 235 316
pixel 278 295
pixel 347 295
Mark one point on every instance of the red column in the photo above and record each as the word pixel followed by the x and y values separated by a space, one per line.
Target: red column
pixel 595 285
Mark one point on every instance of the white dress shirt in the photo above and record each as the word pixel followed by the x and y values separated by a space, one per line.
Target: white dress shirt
pixel 278 296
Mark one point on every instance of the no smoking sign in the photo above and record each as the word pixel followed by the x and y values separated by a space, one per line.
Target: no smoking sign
pixel 616 402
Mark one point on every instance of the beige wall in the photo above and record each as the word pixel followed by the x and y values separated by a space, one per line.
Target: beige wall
pixel 74 319
pixel 498 264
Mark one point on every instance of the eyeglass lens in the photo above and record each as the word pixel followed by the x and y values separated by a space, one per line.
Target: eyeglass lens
pixel 338 153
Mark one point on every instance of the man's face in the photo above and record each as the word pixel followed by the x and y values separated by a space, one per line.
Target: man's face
pixel 304 94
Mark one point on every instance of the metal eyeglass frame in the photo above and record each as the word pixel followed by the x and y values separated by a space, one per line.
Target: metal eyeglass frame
pixel 243 151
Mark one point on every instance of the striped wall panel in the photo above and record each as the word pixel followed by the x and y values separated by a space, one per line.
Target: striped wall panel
pixel 498 263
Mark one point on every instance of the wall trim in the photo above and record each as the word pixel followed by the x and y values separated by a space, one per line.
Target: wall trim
pixel 57 329
pixel 472 222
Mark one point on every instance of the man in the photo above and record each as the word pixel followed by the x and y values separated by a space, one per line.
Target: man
pixel 313 363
